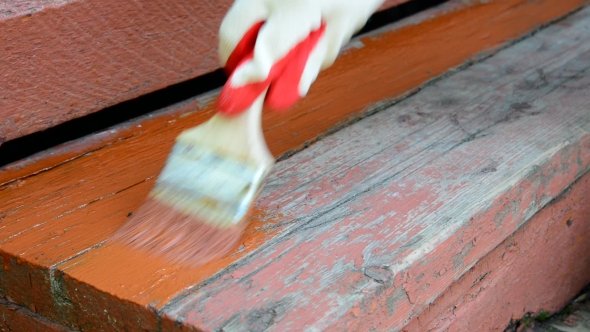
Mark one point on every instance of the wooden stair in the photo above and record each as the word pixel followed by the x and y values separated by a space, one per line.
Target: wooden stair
pixel 453 204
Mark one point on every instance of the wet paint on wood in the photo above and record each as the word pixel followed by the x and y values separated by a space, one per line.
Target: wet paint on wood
pixel 65 59
pixel 373 206
pixel 402 58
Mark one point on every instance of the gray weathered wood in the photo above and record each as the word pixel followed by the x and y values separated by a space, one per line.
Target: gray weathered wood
pixel 393 209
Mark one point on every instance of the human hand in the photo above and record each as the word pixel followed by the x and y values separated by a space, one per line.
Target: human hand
pixel 280 46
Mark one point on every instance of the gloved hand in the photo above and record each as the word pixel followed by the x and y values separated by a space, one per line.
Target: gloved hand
pixel 281 45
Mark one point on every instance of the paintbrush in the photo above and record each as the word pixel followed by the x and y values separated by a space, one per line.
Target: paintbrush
pixel 198 208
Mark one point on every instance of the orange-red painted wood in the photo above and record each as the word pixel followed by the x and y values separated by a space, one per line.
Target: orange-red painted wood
pixel 384 216
pixel 64 59
pixel 15 318
pixel 54 223
pixel 541 267
pixel 374 71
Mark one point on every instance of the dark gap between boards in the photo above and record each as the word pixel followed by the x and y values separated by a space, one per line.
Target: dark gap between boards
pixel 31 144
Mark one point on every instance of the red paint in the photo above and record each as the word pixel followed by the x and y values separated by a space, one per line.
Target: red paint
pixel 329 102
pixel 417 252
pixel 67 210
pixel 324 254
pixel 15 318
pixel 67 59
pixel 153 270
pixel 539 268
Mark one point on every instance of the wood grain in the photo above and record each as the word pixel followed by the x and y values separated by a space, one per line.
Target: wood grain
pixel 379 203
pixel 65 59
pixel 15 318
pixel 540 268
pixel 383 216
pixel 70 58
pixel 402 57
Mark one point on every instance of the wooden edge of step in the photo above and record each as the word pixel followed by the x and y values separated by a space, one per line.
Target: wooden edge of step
pixel 67 59
pixel 56 221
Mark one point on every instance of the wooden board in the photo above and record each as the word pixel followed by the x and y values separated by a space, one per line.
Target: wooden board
pixel 382 217
pixel 65 59
pixel 402 57
pixel 349 224
pixel 15 318
pixel 540 268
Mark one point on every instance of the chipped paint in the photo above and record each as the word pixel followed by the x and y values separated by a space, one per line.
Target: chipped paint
pixel 382 200
pixel 440 164
pixel 62 75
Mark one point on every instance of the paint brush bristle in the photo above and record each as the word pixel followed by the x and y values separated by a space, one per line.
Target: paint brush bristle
pixel 198 208
pixel 180 238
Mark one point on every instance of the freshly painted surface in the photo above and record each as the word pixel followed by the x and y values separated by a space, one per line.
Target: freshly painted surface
pixel 382 217
pixel 372 72
pixel 64 59
pixel 352 228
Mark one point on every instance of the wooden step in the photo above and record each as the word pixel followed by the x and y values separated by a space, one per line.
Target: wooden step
pixel 16 318
pixel 401 58
pixel 371 225
pixel 538 269
pixel 377 221
pixel 65 59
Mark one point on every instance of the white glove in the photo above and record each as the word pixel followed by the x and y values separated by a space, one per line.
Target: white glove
pixel 281 45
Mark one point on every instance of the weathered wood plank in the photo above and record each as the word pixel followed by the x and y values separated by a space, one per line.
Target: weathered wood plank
pixel 15 318
pixel 383 216
pixel 423 47
pixel 64 59
pixel 54 223
pixel 541 267
pixel 67 59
